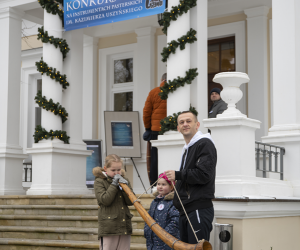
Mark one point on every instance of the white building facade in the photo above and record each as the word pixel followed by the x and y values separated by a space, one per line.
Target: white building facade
pixel 257 37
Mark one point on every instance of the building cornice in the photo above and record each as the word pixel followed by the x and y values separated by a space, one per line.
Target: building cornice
pixel 10 12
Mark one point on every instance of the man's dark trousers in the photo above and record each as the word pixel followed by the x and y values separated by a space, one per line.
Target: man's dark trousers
pixel 154 159
pixel 201 221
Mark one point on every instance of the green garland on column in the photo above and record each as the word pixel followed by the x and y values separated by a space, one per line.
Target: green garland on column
pixel 176 11
pixel 41 133
pixel 171 86
pixel 56 108
pixel 44 68
pixel 170 122
pixel 57 42
pixel 190 37
pixel 53 7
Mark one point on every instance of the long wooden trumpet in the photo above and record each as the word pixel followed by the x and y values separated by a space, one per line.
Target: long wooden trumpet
pixel 167 238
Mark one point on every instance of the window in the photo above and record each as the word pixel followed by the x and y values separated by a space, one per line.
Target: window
pixel 122 82
pixel 123 71
pixel 221 58
pixel 123 101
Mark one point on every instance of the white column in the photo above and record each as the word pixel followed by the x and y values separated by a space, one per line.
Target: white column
pixel 257 40
pixel 178 63
pixel 199 60
pixel 170 144
pixel 286 75
pixel 72 97
pixel 144 83
pixel 11 153
pixel 61 168
pixel 53 57
pixel 89 90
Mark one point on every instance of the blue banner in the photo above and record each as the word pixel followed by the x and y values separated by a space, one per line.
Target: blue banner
pixel 80 14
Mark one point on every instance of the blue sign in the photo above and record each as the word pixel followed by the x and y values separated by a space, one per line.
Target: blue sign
pixel 121 134
pixel 80 14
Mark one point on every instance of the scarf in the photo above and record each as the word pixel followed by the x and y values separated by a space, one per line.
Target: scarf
pixel 198 136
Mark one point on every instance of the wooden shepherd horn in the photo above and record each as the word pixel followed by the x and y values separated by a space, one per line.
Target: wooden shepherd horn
pixel 167 238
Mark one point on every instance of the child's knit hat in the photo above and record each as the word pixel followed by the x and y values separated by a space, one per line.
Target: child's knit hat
pixel 163 175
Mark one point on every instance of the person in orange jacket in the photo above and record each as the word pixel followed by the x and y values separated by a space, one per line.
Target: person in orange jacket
pixel 154 111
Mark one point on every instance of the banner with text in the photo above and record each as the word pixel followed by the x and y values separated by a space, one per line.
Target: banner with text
pixel 80 14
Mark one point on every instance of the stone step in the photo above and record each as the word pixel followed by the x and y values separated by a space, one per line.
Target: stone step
pixel 35 244
pixel 59 221
pixel 60 210
pixel 59 199
pixel 61 233
pixel 48 200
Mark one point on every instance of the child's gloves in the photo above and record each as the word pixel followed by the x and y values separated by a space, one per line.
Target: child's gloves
pixel 122 180
pixel 118 178
pixel 115 180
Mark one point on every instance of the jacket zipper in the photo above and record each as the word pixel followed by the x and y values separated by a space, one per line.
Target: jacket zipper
pixel 187 190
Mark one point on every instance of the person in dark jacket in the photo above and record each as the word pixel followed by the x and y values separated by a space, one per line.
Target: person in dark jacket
pixel 219 106
pixel 164 213
pixel 195 180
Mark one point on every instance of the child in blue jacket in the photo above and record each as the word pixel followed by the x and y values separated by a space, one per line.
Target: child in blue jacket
pixel 164 213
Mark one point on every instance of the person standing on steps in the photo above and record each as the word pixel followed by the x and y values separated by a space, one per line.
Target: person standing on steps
pixel 154 111
pixel 195 180
pixel 114 218
pixel 164 213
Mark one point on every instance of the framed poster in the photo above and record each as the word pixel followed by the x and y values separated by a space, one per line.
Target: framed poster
pixel 94 160
pixel 122 133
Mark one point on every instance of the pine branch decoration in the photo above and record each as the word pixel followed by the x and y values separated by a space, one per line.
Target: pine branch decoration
pixel 190 37
pixel 53 7
pixel 171 86
pixel 44 68
pixel 41 133
pixel 56 108
pixel 175 12
pixel 57 42
pixel 170 122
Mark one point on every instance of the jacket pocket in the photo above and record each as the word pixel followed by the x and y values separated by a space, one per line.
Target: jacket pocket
pixel 129 215
pixel 108 224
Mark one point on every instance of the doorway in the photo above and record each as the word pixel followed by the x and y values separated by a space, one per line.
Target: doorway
pixel 221 58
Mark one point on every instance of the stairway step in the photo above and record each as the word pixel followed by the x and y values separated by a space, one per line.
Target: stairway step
pixel 48 200
pixel 60 210
pixel 59 221
pixel 59 199
pixel 60 233
pixel 35 244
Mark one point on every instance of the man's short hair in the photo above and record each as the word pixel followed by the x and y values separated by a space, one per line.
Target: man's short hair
pixel 185 112
pixel 164 77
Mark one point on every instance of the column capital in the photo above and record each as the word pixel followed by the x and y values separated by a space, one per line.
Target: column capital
pixel 90 41
pixel 257 11
pixel 145 31
pixel 12 13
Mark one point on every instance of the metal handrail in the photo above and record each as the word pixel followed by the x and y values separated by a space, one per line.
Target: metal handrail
pixel 258 142
pixel 270 153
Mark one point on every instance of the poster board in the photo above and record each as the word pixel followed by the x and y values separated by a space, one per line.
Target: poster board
pixel 94 160
pixel 122 133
